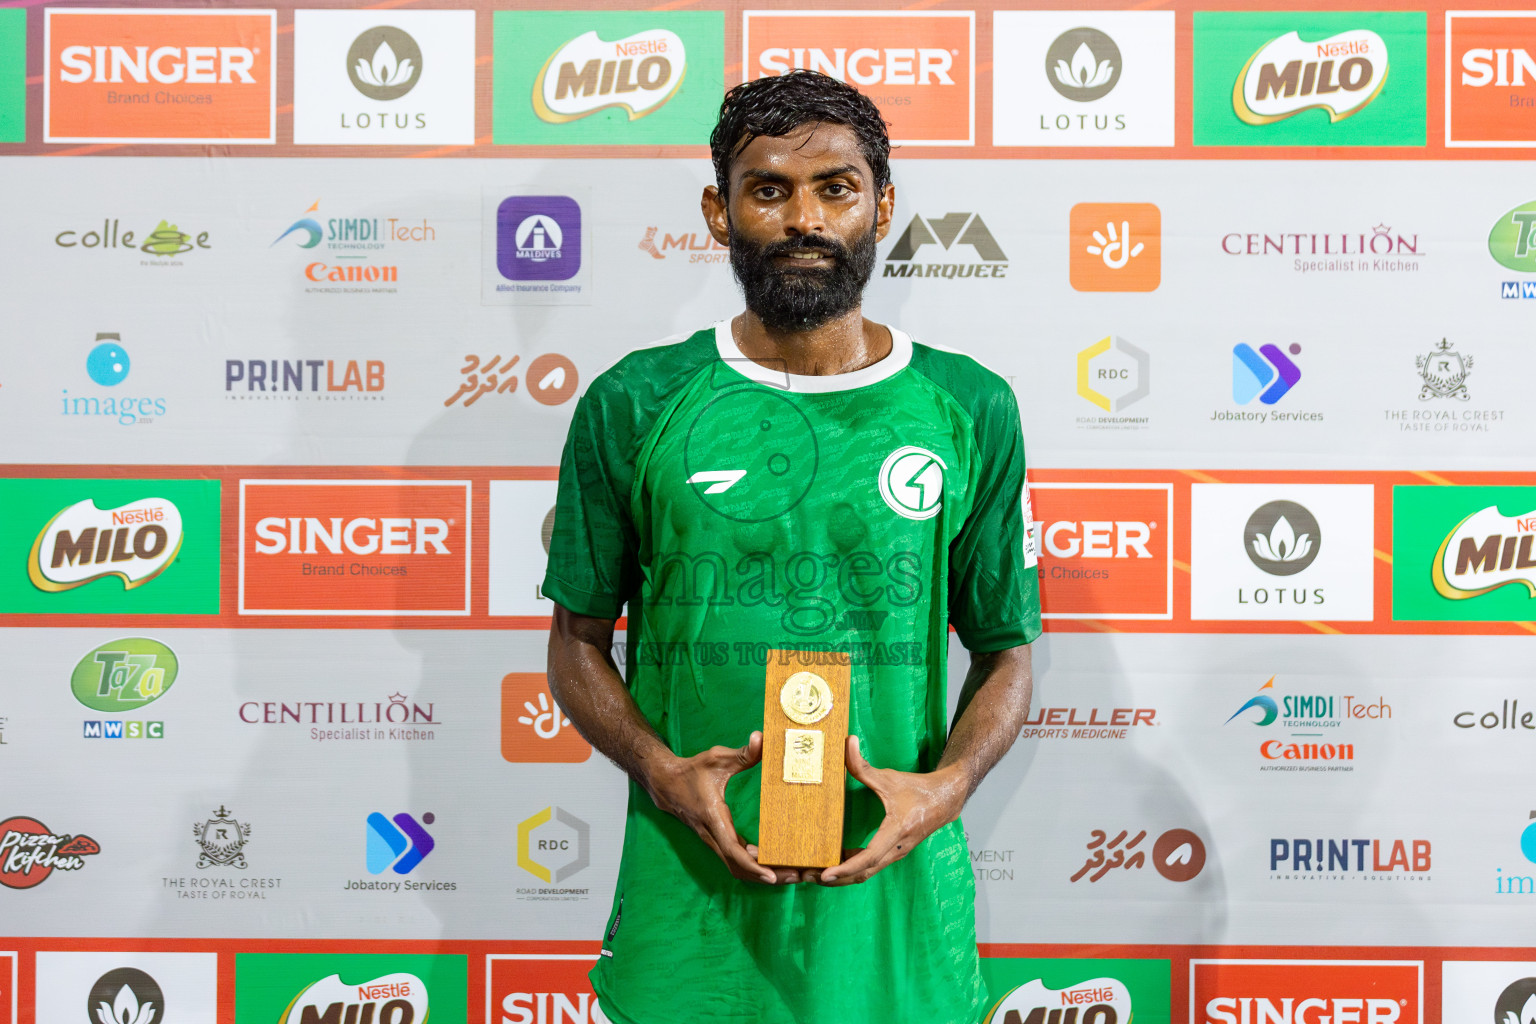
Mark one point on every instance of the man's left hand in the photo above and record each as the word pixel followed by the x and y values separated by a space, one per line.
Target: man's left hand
pixel 916 805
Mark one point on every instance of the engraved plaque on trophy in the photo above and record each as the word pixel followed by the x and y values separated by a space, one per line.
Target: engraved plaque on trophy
pixel 805 733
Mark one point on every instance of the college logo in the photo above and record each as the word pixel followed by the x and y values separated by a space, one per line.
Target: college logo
pixel 107 365
pixel 553 845
pixel 1309 79
pixel 135 542
pixel 985 257
pixel 912 482
pixel 400 843
pixel 124 675
pixel 583 77
pixel 126 996
pixel 532 988
pixel 1115 366
pixel 222 840
pixel 1297 991
pixel 1178 854
pixel 354 547
pixel 533 729
pixel 160 76
pixel 1268 374
pixel 397 998
pixel 1115 247
pixel 1105 550
pixel 1457 554
pixel 362 78
pixel 1490 86
pixel 165 241
pixel 29 852
pixel 1444 371
pixel 1097 991
pixel 916 67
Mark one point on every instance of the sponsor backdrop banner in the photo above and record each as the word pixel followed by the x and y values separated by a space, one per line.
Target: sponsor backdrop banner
pixel 299 302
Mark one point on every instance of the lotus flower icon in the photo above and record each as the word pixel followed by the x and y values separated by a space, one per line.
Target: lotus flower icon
pixel 385 70
pixel 1083 64
pixel 384 63
pixel 1282 538
pixel 1085 72
pixel 1282 544
pixel 126 1009
pixel 1526 1015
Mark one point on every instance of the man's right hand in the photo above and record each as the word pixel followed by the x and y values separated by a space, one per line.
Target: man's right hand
pixel 692 789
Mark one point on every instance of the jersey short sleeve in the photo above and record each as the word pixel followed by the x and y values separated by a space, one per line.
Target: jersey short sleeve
pixel 994 597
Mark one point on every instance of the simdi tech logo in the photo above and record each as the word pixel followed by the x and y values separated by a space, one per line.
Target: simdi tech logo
pixel 321 988
pixel 354 547
pixel 110 546
pixel 1105 549
pixel 1306 991
pixel 1490 79
pixel 1464 553
pixel 371 78
pixel 160 76
pixel 1309 78
pixel 1115 247
pixel 606 77
pixel 542 988
pixel 917 67
pixel 1068 991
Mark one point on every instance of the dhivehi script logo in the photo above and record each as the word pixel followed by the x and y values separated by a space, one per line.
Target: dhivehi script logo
pixel 1340 74
pixel 639 74
pixel 398 998
pixel 135 541
pixel 1485 551
pixel 1099 1001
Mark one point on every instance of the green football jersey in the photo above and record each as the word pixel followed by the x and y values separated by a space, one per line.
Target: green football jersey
pixel 737 510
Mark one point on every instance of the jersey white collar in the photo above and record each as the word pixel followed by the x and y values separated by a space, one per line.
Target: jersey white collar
pixel 895 360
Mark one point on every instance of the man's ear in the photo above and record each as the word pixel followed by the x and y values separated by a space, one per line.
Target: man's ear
pixel 712 205
pixel 885 209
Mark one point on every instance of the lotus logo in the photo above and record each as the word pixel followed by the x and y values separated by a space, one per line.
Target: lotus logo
pixel 384 63
pixel 1282 538
pixel 1517 1003
pixel 1083 64
pixel 126 996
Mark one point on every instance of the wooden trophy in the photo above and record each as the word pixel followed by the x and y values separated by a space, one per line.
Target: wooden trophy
pixel 805 734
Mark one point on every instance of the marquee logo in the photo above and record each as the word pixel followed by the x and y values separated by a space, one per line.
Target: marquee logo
pixel 1340 74
pixel 135 542
pixel 397 998
pixel 159 76
pixel 953 229
pixel 1485 551
pixel 916 67
pixel 1490 86
pixel 1105 549
pixel 29 852
pixel 354 547
pixel 553 845
pixel 637 74
pixel 534 988
pixel 124 675
pixel 1306 991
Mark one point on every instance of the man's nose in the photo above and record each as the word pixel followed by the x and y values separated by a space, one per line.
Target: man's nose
pixel 803 214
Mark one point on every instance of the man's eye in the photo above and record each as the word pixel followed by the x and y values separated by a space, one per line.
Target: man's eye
pixel 766 192
pixel 836 189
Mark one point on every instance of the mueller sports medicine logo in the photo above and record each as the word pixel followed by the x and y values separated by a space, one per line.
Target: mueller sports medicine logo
pixel 637 74
pixel 697 246
pixel 1306 991
pixel 30 852
pixel 1485 551
pixel 916 67
pixel 354 547
pixel 1491 79
pixel 1340 74
pixel 135 542
pixel 159 76
pixel 1105 549
pixel 398 998
pixel 980 256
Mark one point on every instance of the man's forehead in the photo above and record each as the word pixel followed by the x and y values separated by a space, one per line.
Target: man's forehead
pixel 805 151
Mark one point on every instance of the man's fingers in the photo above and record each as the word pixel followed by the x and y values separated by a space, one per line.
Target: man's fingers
pixel 860 768
pixel 872 858
pixel 732 848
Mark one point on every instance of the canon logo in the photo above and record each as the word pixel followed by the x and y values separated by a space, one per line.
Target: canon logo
pixel 167 64
pixel 360 536
pixel 1098 539
pixel 1259 1010
pixel 864 66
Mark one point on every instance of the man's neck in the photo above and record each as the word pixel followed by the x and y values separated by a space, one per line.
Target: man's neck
pixel 843 345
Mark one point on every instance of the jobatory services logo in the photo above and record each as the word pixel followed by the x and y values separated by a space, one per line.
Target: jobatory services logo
pixel 1066 991
pixel 695 246
pixel 1113 374
pixel 371 78
pixel 110 546
pixel 354 547
pixel 398 843
pixel 352 255
pixel 1321 727
pixel 1490 79
pixel 537 245
pixel 522 520
pixel 1105 549
pixel 533 729
pixel 552 845
pixel 1268 374
pixel 966 248
pixel 1310 552
pixel 166 76
pixel 126 987
pixel 107 365
pixel 1115 247
pixel 917 67
pixel 1487 991
pixel 30 852
pixel 527 988
pixel 1464 553
pixel 1309 78
pixel 1075 78
pixel 13 107
pixel 295 988
pixel 164 245
pixel 1177 854
pixel 297 380
pixel 1297 991
pixel 606 77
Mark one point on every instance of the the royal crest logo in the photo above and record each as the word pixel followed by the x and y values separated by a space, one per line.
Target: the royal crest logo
pixel 30 851
pixel 135 542
pixel 912 482
pixel 637 74
pixel 398 998
pixel 1340 74
pixel 223 840
pixel 1485 551
pixel 1444 371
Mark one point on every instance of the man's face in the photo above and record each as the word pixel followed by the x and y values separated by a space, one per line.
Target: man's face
pixel 802 219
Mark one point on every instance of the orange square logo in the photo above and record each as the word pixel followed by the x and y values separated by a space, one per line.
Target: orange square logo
pixel 1381 991
pixel 917 67
pixel 354 547
pixel 541 986
pixel 1104 550
pixel 159 76
pixel 1116 247
pixel 533 731
pixel 1490 78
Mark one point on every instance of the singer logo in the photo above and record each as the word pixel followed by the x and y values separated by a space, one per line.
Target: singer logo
pixel 1306 991
pixel 1104 550
pixel 541 988
pixel 1491 78
pixel 354 547
pixel 159 76
pixel 532 728
pixel 915 66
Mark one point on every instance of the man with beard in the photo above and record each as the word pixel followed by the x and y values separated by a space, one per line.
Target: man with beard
pixel 796 478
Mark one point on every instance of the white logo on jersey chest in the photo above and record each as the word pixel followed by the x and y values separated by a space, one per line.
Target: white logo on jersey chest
pixel 912 482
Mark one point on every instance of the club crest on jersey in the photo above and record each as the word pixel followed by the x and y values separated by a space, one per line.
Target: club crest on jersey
pixel 912 482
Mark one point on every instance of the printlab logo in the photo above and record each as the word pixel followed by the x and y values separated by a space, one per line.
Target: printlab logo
pixel 912 482
pixel 1116 247
pixel 1444 372
pixel 107 365
pixel 1364 860
pixel 983 258
pixel 126 996
pixel 222 840
pixel 699 246
pixel 553 845
pixel 1083 64
pixel 532 727
pixel 552 379
pixel 400 843
pixel 1178 854
pixel 1282 538
pixel 1268 374
pixel 29 852
pixel 1113 374
pixel 384 63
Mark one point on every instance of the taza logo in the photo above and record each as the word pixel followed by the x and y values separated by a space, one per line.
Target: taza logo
pixel 1083 64
pixel 1510 240
pixel 384 63
pixel 1340 74
pixel 638 74
pixel 135 542
pixel 124 675
pixel 126 996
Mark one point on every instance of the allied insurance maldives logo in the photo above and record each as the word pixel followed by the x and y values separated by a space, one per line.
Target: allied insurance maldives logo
pixel 916 66
pixel 164 76
pixel 354 547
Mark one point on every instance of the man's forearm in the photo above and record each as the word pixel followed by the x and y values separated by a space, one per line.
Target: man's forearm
pixel 994 703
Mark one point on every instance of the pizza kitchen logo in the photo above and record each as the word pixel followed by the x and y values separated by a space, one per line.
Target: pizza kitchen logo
pixel 30 852
pixel 135 542
pixel 637 74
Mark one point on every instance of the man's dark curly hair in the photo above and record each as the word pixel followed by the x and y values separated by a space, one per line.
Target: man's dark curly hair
pixel 778 105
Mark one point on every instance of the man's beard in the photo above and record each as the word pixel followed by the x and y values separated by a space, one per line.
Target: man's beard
pixel 794 299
